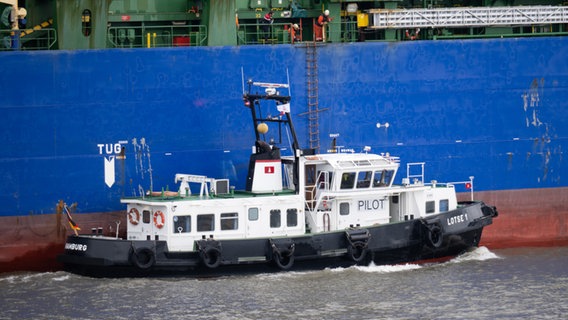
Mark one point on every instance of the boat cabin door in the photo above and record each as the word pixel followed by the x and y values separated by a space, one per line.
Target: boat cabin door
pixel 310 185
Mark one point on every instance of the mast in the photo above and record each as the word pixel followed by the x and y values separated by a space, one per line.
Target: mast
pixel 252 101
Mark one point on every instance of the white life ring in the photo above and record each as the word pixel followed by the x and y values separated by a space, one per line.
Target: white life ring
pixel 159 219
pixel 134 216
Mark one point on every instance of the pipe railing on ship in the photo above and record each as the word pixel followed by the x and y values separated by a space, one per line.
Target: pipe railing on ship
pixel 30 39
pixel 254 33
pixel 468 185
pixel 156 36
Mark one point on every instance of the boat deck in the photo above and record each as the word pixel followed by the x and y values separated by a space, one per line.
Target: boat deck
pixel 175 196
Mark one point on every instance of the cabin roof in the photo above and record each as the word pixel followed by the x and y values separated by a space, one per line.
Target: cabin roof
pixel 354 161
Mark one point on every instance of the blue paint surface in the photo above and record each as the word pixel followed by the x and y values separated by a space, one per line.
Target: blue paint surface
pixel 493 109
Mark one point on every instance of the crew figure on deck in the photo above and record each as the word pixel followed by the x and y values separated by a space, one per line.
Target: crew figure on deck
pixel 266 22
pixel 295 34
pixel 319 25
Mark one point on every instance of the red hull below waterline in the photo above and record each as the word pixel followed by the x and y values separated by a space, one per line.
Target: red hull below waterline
pixel 32 243
pixel 527 218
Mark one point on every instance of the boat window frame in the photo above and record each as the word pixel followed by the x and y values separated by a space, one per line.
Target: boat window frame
pixel 253 214
pixel 275 218
pixel 292 217
pixel 229 221
pixel 444 205
pixel 364 179
pixel 348 180
pixel 200 222
pixel 430 206
pixel 146 216
pixel 176 223
pixel 344 208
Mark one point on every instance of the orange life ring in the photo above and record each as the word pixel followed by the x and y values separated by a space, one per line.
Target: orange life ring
pixel 161 221
pixel 134 216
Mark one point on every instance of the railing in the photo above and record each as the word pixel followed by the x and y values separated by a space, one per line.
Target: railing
pixel 30 39
pixel 467 184
pixel 156 36
pixel 277 33
pixel 414 173
pixel 467 17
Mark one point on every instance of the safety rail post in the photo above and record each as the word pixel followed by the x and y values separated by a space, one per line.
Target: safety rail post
pixel 468 185
pixel 418 177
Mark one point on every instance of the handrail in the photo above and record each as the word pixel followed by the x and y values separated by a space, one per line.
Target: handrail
pixel 30 39
pixel 253 33
pixel 156 36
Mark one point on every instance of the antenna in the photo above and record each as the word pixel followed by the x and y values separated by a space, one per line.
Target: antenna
pixel 243 79
pixel 288 79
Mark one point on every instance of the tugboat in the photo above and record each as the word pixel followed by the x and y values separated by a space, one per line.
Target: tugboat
pixel 300 211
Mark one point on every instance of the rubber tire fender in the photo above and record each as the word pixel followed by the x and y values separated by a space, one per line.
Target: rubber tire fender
pixel 284 261
pixel 435 235
pixel 358 252
pixel 211 257
pixel 143 264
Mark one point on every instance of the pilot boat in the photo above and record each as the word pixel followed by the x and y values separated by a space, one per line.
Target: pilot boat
pixel 299 211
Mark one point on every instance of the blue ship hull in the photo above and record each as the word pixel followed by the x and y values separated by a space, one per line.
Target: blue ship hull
pixel 89 127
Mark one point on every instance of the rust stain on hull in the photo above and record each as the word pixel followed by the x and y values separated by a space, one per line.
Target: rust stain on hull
pixel 32 243
pixel 527 218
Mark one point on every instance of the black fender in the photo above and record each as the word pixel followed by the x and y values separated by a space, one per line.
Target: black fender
pixel 283 261
pixel 435 235
pixel 358 248
pixel 283 253
pixel 359 252
pixel 142 258
pixel 211 257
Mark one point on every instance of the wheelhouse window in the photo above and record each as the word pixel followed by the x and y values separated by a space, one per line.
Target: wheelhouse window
pixel 344 208
pixel 444 205
pixel 347 180
pixel 229 221
pixel 146 216
pixel 205 222
pixel 182 224
pixel 364 179
pixel 253 214
pixel 292 217
pixel 382 178
pixel 275 218
pixel 430 206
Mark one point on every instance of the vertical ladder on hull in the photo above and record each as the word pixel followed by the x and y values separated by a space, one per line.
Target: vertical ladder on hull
pixel 313 104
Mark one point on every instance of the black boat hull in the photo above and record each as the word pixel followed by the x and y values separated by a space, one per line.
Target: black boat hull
pixel 436 237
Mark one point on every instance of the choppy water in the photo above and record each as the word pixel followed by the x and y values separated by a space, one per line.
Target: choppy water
pixel 514 283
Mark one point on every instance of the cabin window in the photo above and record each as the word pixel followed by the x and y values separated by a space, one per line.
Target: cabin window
pixel 182 224
pixel 229 221
pixel 253 214
pixel 364 179
pixel 444 205
pixel 146 216
pixel 292 217
pixel 430 206
pixel 347 180
pixel 344 208
pixel 394 199
pixel 382 178
pixel 205 222
pixel 389 174
pixel 275 218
